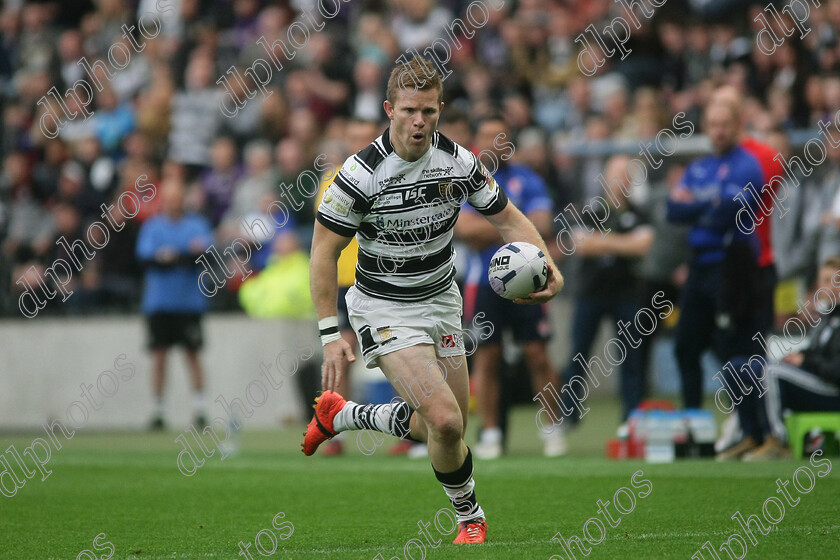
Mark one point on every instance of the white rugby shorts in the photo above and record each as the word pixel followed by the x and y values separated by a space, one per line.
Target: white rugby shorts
pixel 383 326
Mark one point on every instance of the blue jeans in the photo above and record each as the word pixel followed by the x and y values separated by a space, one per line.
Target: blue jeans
pixel 585 324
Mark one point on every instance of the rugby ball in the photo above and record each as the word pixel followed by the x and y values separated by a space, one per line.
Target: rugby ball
pixel 517 269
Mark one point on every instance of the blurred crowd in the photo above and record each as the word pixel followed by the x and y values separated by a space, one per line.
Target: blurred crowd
pixel 158 118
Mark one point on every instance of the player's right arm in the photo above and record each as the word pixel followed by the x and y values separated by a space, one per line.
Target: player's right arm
pixel 340 212
pixel 323 285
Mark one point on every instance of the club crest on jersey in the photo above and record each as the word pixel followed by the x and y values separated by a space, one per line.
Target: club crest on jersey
pixel 445 189
pixel 383 334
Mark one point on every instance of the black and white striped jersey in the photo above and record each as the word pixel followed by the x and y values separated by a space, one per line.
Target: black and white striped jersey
pixel 403 213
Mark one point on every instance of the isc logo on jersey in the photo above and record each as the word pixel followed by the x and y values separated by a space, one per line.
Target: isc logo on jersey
pixel 415 193
pixel 338 201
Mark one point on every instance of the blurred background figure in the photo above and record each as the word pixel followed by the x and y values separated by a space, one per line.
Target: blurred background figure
pixel 807 379
pixel 528 324
pixel 760 318
pixel 167 246
pixel 721 295
pixel 610 283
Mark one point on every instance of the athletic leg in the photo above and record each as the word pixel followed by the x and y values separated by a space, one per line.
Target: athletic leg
pixel 419 377
pixel 197 378
pixel 542 373
pixel 485 365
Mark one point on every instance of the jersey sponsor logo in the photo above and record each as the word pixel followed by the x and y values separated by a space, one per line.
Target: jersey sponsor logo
pixel 338 201
pixel 437 172
pixel 395 180
pixel 398 224
pixel 387 200
pixel 415 193
pixel 347 177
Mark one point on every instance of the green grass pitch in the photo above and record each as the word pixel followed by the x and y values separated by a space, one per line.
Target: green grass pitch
pixel 126 485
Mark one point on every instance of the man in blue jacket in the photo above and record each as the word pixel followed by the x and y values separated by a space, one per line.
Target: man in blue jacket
pixel 167 246
pixel 714 308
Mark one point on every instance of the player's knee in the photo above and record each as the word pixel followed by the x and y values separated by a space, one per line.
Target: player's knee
pixel 448 427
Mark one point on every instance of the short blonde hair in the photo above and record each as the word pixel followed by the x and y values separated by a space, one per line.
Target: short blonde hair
pixel 412 76
pixel 832 262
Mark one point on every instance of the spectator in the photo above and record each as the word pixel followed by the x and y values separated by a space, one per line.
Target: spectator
pixel 256 185
pixel 218 183
pixel 195 116
pixel 610 282
pixel 419 23
pixel 113 121
pixel 167 247
pixel 808 379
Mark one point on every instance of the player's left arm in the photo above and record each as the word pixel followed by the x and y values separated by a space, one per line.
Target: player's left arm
pixel 513 225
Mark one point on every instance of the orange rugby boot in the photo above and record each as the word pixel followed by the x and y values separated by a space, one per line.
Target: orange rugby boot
pixel 320 429
pixel 473 531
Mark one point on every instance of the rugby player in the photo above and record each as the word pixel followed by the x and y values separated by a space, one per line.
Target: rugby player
pixel 400 198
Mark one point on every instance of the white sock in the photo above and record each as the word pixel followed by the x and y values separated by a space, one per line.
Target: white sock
pixel 491 435
pixel 158 407
pixel 465 508
pixel 198 402
pixel 386 418
pixel 559 432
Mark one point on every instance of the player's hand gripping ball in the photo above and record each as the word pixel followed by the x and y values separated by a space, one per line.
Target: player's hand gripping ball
pixel 517 269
